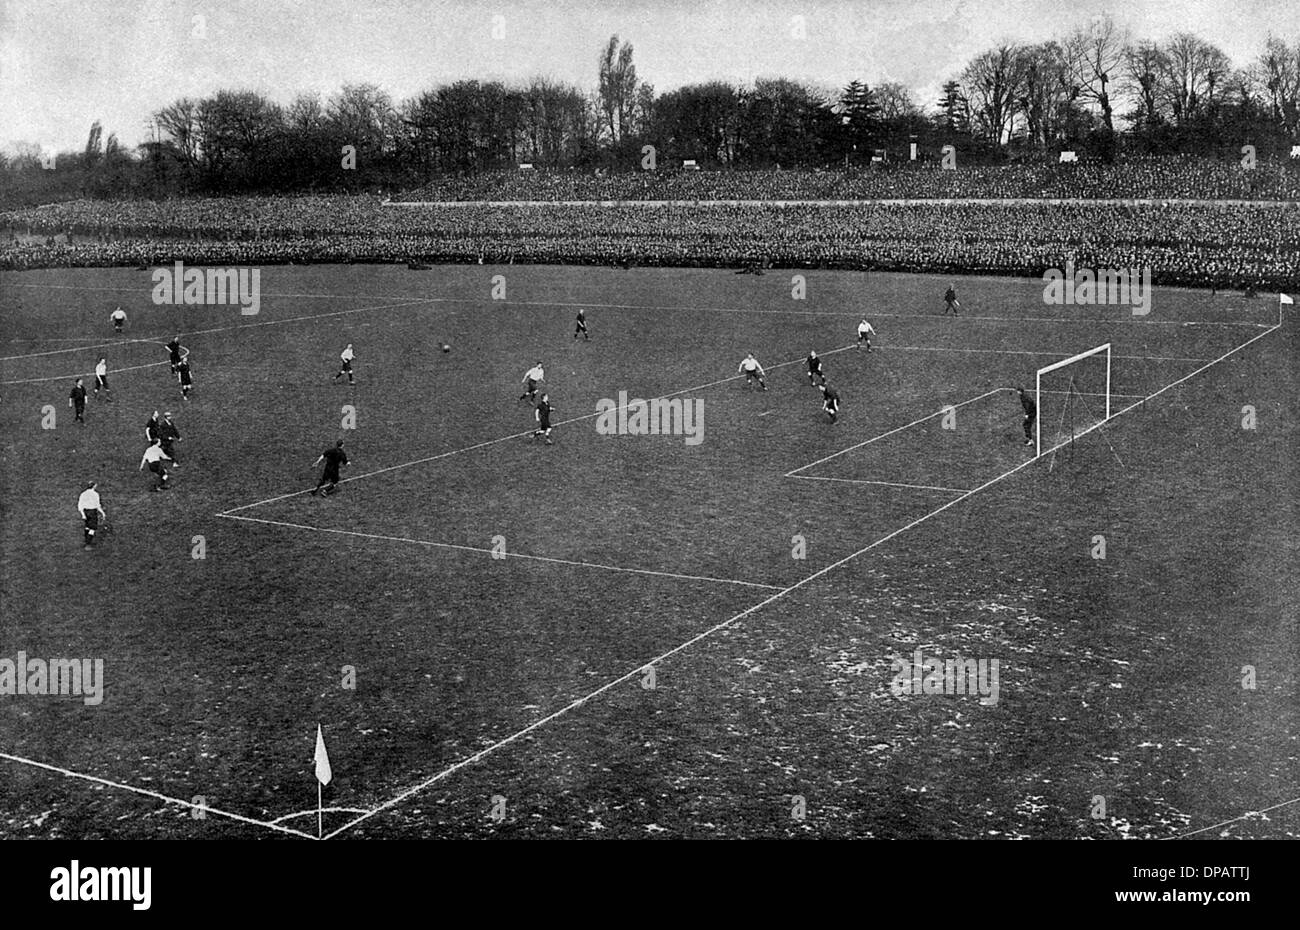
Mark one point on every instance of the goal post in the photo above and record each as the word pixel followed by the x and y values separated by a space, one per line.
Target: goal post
pixel 1078 388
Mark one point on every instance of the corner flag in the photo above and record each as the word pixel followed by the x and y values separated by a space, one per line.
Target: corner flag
pixel 323 773
pixel 1284 299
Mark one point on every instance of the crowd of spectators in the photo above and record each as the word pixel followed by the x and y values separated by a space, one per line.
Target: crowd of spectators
pixel 1161 178
pixel 1205 245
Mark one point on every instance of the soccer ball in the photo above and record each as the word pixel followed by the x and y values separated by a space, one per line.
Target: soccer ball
pixel 446 347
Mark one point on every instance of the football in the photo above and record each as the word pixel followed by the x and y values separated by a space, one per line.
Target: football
pixel 446 347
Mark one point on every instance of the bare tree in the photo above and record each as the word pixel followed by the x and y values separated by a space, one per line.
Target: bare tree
pixel 1144 66
pixel 895 101
pixel 1279 73
pixel 1191 71
pixel 994 81
pixel 1093 55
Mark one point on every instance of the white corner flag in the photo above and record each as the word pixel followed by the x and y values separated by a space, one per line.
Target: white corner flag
pixel 1283 299
pixel 323 773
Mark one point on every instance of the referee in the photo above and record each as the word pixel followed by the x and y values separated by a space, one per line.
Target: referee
pixel 91 512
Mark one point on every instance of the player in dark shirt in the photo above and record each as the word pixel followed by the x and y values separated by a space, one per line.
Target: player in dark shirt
pixel 151 428
pixel 581 326
pixel 830 401
pixel 543 414
pixel 1031 414
pixel 334 459
pixel 77 400
pixel 169 435
pixel 174 351
pixel 815 369
pixel 184 377
pixel 950 300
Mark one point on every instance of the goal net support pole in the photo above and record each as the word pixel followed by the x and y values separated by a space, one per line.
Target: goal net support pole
pixel 1038 388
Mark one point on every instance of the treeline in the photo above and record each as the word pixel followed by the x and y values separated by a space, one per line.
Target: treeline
pixel 1094 90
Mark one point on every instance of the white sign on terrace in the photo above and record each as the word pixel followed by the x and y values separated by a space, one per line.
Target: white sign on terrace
pixel 1295 151
pixel 1068 156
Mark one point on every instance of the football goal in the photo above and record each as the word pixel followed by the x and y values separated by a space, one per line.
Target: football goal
pixel 1073 397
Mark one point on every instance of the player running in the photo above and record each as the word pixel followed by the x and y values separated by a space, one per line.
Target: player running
pixel 346 357
pixel 830 401
pixel 865 332
pixel 101 377
pixel 154 457
pixel 91 513
pixel 581 327
pixel 543 414
pixel 531 379
pixel 334 459
pixel 815 369
pixel 750 368
pixel 174 352
pixel 151 428
pixel 118 319
pixel 77 401
pixel 1031 414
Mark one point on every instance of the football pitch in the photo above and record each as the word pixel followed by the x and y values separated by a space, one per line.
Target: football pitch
pixel 639 635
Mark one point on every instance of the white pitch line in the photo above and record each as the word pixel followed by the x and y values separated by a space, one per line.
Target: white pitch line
pixel 324 810
pixel 1225 823
pixel 224 329
pixel 892 484
pixel 86 374
pixel 897 429
pixel 1143 358
pixel 270 825
pixel 500 439
pixel 510 555
pixel 672 308
pixel 640 669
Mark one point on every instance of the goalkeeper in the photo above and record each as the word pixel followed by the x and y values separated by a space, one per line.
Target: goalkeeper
pixel 1031 414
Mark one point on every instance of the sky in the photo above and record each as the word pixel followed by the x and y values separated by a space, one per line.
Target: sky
pixel 66 63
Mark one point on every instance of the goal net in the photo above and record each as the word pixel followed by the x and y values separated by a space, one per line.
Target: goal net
pixel 1073 397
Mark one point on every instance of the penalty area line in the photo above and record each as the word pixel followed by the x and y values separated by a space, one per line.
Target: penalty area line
pixel 640 669
pixel 509 555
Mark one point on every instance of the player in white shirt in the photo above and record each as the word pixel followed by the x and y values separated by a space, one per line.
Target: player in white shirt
pixel 154 457
pixel 865 332
pixel 750 368
pixel 101 377
pixel 531 379
pixel 91 512
pixel 346 357
pixel 118 319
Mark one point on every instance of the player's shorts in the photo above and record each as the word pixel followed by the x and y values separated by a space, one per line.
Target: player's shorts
pixel 347 366
pixel 331 475
pixel 91 517
pixel 186 380
pixel 531 387
pixel 156 467
pixel 101 381
pixel 752 374
pixel 544 424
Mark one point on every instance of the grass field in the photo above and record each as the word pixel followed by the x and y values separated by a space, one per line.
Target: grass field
pixel 519 686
